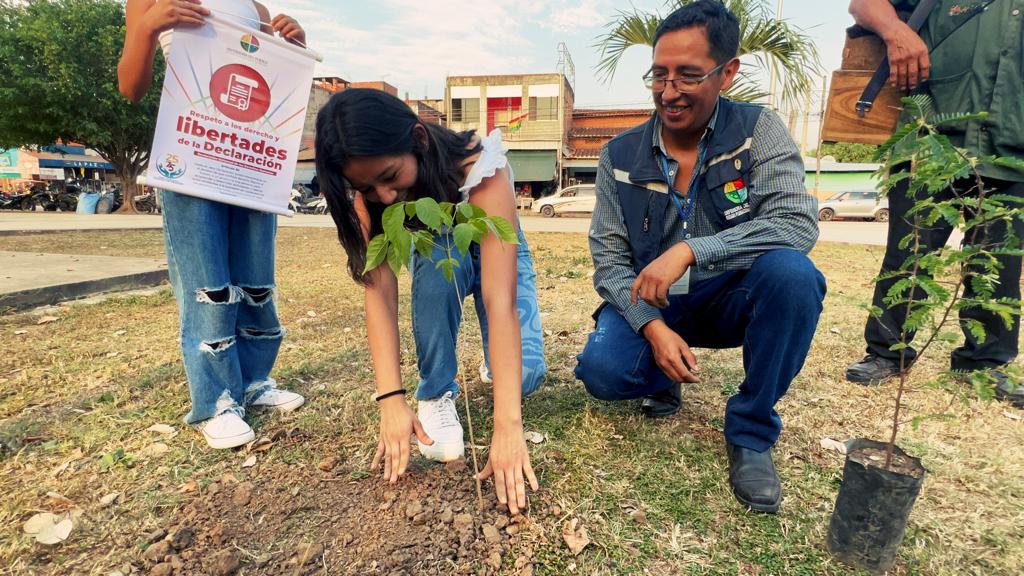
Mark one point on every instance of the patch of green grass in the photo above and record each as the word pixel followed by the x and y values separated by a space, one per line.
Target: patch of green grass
pixel 598 461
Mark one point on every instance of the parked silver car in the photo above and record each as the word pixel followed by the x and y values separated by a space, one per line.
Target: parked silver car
pixel 578 199
pixel 855 204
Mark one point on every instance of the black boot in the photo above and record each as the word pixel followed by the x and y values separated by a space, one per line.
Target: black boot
pixel 1008 390
pixel 753 478
pixel 872 370
pixel 663 404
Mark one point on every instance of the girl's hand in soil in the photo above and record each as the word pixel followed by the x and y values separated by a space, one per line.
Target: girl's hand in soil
pixel 509 463
pixel 397 424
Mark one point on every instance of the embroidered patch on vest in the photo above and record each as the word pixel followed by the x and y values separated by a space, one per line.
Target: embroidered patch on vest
pixel 736 191
pixel 965 8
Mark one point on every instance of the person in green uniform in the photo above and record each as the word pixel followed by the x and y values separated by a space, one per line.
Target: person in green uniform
pixel 968 58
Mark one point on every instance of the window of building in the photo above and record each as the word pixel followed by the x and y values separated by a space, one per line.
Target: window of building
pixel 465 109
pixel 544 108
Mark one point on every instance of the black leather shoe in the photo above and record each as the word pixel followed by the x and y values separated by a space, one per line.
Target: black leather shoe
pixel 753 478
pixel 872 370
pixel 1008 390
pixel 664 403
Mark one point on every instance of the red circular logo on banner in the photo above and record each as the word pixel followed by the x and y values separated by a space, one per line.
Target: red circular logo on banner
pixel 240 93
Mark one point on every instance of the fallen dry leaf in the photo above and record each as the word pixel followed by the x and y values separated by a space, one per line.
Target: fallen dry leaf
pixel 575 536
pixel 833 445
pixel 249 462
pixel 1011 415
pixel 328 463
pixel 156 449
pixel 161 429
pixel 75 455
pixel 120 333
pixel 311 314
pixel 260 445
pixel 109 499
pixel 47 319
pixel 534 437
pixel 48 528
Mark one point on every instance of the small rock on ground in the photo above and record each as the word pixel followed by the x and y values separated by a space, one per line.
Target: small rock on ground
pixel 225 563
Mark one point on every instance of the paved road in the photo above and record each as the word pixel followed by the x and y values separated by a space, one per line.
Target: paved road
pixel 852 232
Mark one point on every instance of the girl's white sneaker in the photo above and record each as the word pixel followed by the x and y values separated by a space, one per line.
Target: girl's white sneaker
pixel 226 430
pixel 440 421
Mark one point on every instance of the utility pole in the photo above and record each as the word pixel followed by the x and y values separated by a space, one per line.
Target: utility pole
pixel 821 123
pixel 772 74
pixel 807 118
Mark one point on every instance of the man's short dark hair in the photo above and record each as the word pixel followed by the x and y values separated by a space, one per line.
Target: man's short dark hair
pixel 721 26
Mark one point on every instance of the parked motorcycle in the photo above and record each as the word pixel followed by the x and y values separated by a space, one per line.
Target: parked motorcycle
pixel 146 203
pixel 21 201
pixel 305 201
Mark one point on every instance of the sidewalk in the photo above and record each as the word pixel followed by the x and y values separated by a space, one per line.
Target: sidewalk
pixel 850 232
pixel 30 279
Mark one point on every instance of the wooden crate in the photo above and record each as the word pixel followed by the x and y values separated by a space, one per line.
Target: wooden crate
pixel 842 124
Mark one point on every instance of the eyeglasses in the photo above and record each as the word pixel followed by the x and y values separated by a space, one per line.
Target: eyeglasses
pixel 682 84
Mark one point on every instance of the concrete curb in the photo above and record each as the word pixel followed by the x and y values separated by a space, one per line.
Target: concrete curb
pixel 47 295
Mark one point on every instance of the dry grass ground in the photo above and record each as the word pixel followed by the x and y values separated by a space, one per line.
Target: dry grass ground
pixel 90 384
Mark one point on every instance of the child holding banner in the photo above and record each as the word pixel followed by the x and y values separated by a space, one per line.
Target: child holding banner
pixel 220 257
pixel 372 151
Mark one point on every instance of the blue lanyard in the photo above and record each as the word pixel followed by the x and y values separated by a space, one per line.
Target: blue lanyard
pixel 691 196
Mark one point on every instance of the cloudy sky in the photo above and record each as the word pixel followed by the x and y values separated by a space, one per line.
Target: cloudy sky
pixel 415 44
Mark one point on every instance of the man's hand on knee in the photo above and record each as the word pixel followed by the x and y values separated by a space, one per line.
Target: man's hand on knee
pixel 671 352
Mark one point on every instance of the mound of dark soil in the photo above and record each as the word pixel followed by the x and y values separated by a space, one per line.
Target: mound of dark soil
pixel 279 519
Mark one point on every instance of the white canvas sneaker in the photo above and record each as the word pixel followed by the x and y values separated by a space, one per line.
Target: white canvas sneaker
pixel 485 373
pixel 226 430
pixel 441 422
pixel 278 399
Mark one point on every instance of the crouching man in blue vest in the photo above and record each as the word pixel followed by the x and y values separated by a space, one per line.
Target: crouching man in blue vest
pixel 699 239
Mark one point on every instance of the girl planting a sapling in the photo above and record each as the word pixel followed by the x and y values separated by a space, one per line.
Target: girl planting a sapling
pixel 373 151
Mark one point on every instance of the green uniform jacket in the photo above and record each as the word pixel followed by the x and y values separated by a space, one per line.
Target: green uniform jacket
pixel 977 68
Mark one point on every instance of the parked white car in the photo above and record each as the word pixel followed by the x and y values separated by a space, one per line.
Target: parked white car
pixel 571 199
pixel 855 204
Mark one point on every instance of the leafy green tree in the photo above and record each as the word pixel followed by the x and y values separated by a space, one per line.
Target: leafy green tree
pixel 58 61
pixel 767 40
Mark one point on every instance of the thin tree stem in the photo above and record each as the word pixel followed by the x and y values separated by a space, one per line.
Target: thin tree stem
pixel 465 390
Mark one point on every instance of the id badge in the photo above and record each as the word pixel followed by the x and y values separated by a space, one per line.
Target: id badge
pixel 681 286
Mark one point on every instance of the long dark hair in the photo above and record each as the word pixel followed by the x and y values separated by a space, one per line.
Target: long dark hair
pixel 366 122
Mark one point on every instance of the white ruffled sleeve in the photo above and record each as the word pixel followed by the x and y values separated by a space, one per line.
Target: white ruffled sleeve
pixel 492 158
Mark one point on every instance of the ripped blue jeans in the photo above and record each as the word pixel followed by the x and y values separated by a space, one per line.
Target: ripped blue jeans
pixel 221 264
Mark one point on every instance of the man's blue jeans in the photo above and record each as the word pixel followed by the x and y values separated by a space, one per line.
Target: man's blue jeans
pixel 437 315
pixel 220 259
pixel 770 310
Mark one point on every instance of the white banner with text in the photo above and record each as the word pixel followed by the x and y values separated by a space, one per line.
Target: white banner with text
pixel 231 116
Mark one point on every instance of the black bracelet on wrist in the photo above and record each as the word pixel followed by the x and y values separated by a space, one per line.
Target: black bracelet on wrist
pixel 389 394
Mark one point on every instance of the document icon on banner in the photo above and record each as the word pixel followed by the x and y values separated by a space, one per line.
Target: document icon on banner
pixel 239 92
